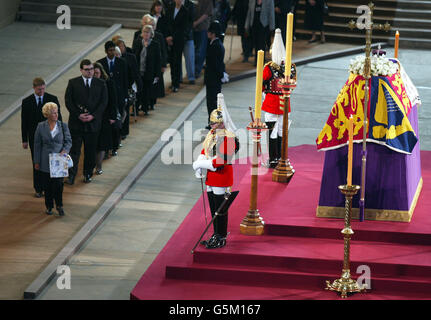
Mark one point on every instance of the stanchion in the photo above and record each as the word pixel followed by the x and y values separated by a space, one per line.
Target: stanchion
pixel 346 284
pixel 253 223
pixel 284 170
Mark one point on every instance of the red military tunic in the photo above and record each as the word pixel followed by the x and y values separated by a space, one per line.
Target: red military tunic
pixel 274 99
pixel 223 176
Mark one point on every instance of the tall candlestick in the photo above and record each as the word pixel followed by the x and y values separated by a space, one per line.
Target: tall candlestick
pixel 259 82
pixel 350 153
pixel 397 40
pixel 289 37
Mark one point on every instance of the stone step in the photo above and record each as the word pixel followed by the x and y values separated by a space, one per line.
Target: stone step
pixel 132 4
pixel 398 22
pixel 401 4
pixel 79 20
pixel 81 10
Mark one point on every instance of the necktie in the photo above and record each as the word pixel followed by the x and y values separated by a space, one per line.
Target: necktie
pixel 39 103
pixel 86 84
pixel 111 66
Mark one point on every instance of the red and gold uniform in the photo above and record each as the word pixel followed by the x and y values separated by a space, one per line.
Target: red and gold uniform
pixel 219 147
pixel 274 100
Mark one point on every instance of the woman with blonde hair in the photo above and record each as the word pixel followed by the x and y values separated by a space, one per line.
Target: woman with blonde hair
pixel 52 136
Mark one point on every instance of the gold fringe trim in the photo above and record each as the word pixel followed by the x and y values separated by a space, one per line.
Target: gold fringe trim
pixel 373 214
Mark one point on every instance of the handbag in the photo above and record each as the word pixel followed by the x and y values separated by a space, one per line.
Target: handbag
pixel 325 8
pixel 118 124
pixel 69 158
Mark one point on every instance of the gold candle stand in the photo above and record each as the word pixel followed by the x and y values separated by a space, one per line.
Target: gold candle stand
pixel 284 170
pixel 346 284
pixel 253 224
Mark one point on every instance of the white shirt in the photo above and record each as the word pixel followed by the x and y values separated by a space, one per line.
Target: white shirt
pixel 54 131
pixel 37 98
pixel 176 12
pixel 89 80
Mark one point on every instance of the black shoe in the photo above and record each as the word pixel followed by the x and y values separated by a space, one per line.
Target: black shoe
pixel 114 153
pixel 87 178
pixel 49 211
pixel 174 89
pixel 217 242
pixel 120 145
pixel 99 172
pixel 70 180
pixel 210 240
pixel 60 211
pixel 38 194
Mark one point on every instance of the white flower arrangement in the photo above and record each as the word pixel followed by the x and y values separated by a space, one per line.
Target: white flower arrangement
pixel 380 66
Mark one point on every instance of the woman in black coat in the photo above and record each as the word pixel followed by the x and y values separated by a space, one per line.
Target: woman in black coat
pixel 105 142
pixel 149 63
pixel 314 18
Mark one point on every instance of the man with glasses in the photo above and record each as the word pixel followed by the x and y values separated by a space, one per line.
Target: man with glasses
pixel 31 115
pixel 86 99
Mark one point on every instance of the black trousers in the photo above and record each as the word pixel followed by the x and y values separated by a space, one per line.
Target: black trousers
pixel 247 45
pixel 176 55
pixel 212 91
pixel 53 188
pixel 90 148
pixel 260 35
pixel 37 178
pixel 147 86
pixel 125 126
pixel 274 144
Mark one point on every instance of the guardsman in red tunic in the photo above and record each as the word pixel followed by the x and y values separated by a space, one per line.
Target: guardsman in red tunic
pixel 273 105
pixel 219 146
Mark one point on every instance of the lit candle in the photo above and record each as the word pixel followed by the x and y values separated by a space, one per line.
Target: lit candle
pixel 397 40
pixel 289 37
pixel 259 82
pixel 350 153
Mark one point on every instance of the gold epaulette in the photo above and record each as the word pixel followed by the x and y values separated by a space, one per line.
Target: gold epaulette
pixel 273 65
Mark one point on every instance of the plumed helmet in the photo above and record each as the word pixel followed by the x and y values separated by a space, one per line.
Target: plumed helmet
pixel 278 51
pixel 216 115
pixel 215 27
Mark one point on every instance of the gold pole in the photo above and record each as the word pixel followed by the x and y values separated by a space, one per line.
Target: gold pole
pixel 346 284
pixel 253 224
pixel 284 170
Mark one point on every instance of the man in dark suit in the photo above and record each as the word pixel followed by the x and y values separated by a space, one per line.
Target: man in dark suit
pixel 215 67
pixel 178 21
pixel 86 99
pixel 116 68
pixel 31 115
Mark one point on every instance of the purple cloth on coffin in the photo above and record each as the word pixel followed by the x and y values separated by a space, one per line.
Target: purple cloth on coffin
pixel 391 177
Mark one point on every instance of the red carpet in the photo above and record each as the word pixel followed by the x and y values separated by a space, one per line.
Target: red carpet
pixel 298 251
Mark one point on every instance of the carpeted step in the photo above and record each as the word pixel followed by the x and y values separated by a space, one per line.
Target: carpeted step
pixel 319 255
pixel 286 278
pixel 175 289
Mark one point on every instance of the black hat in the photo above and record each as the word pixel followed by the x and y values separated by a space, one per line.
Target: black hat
pixel 215 27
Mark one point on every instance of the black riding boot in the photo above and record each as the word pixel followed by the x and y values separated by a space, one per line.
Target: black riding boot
pixel 218 240
pixel 213 209
pixel 274 152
